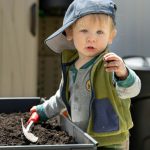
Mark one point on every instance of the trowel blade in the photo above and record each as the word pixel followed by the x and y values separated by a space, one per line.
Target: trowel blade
pixel 30 136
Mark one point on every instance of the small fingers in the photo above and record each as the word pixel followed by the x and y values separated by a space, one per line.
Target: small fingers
pixel 111 69
pixel 112 66
pixel 111 57
pixel 112 62
pixel 33 109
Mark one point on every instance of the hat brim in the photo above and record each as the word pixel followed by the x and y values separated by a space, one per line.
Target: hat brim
pixel 58 42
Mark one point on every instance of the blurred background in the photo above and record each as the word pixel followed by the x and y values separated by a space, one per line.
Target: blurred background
pixel 28 68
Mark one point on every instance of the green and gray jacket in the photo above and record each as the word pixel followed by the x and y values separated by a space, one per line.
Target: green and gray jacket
pixel 103 105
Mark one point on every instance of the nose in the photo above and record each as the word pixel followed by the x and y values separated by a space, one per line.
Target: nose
pixel 91 38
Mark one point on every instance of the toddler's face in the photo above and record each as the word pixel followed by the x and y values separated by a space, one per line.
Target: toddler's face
pixel 91 34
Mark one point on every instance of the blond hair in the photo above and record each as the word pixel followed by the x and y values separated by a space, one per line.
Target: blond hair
pixel 102 18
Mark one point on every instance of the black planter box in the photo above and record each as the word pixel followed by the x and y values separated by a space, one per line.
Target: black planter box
pixel 23 104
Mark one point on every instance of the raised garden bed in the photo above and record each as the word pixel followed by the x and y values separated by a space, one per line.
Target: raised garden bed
pixel 56 134
pixel 49 132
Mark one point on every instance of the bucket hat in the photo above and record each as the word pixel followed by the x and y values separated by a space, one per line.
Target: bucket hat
pixel 77 9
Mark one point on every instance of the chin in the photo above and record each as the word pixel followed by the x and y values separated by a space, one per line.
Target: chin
pixel 93 54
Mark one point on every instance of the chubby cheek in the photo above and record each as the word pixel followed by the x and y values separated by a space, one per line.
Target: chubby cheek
pixel 78 42
pixel 102 43
pixel 78 45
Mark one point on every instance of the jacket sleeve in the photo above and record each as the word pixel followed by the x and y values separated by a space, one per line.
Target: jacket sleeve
pixel 130 87
pixel 52 106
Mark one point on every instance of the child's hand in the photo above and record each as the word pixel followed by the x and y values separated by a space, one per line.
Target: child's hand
pixel 40 111
pixel 33 109
pixel 114 63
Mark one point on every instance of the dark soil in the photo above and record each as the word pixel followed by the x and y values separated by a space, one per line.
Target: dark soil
pixel 49 133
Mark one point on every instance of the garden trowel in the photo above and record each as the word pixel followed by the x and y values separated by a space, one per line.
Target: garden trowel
pixel 26 131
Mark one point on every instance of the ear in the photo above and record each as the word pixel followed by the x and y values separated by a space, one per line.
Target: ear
pixel 69 33
pixel 112 36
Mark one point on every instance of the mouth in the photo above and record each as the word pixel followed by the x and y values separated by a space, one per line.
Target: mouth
pixel 90 48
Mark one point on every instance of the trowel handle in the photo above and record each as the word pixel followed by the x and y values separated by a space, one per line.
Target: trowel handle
pixel 34 117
